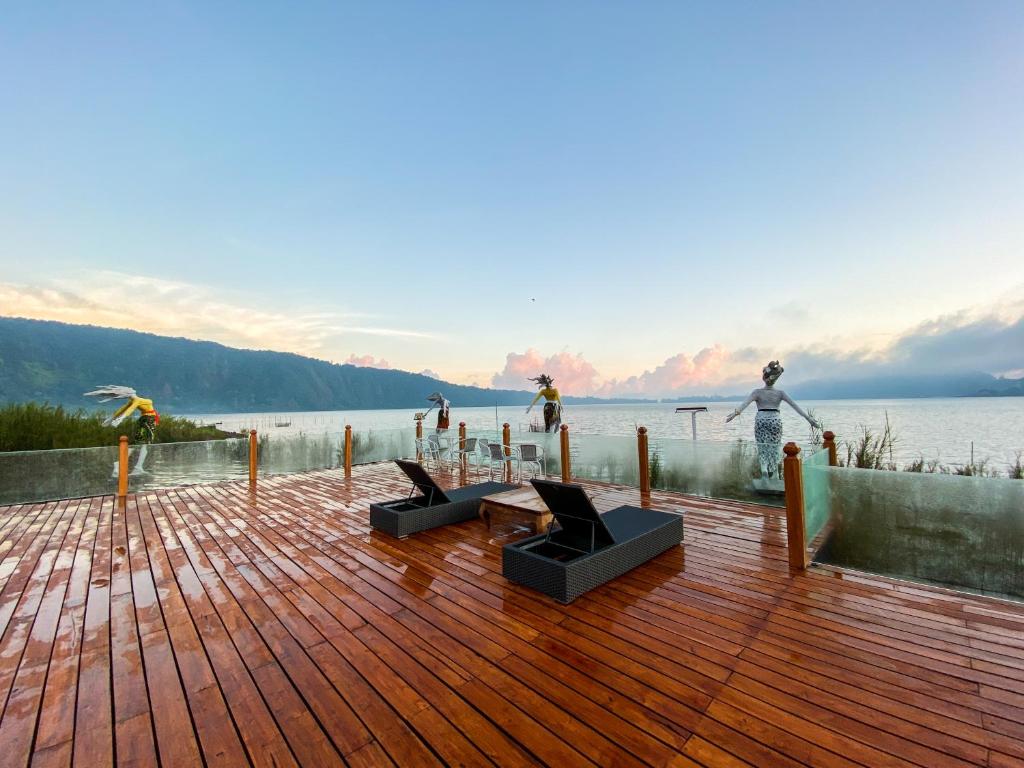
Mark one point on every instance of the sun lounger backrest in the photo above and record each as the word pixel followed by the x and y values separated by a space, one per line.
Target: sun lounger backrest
pixel 582 526
pixel 424 482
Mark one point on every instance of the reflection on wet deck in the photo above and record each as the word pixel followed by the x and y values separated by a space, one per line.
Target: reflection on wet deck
pixel 212 625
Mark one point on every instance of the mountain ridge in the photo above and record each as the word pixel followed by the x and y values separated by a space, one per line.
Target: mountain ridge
pixel 47 360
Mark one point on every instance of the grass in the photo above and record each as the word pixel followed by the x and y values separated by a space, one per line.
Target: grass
pixel 41 426
pixel 1017 469
pixel 874 450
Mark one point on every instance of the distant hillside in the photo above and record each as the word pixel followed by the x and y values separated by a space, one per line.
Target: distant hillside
pixel 954 384
pixel 56 362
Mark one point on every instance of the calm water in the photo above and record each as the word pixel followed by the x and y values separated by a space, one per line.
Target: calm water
pixel 940 428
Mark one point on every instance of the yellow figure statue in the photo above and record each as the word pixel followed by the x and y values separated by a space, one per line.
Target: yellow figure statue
pixel 552 402
pixel 145 428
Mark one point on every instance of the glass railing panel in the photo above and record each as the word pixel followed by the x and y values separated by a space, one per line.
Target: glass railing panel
pixel 300 453
pixel 817 495
pixel 58 474
pixel 369 445
pixel 169 465
pixel 606 458
pixel 718 469
pixel 548 449
pixel 965 532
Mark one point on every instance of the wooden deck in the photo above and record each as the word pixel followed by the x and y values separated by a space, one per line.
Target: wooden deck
pixel 210 626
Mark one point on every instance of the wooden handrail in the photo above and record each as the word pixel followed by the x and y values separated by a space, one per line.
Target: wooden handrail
pixel 643 456
pixel 564 441
pixel 796 534
pixel 419 436
pixel 254 453
pixel 829 444
pixel 122 467
pixel 348 450
pixel 463 460
pixel 506 440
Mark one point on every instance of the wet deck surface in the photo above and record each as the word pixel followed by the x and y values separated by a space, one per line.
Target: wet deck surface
pixel 210 626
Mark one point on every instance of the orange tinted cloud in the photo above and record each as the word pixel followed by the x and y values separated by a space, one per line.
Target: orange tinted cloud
pixel 367 361
pixel 572 374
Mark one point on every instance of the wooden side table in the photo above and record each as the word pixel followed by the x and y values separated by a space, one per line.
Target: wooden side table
pixel 522 502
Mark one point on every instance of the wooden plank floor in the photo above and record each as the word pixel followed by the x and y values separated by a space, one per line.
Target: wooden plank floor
pixel 213 626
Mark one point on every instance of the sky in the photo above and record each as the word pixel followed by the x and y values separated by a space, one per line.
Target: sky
pixel 638 198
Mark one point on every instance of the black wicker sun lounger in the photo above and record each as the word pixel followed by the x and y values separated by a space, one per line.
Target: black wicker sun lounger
pixel 427 506
pixel 590 548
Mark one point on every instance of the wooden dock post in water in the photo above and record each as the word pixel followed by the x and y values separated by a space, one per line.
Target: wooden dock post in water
pixel 796 535
pixel 829 443
pixel 506 440
pixel 254 453
pixel 644 457
pixel 564 440
pixel 122 467
pixel 348 450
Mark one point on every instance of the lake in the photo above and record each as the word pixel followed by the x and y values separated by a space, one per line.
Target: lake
pixel 943 429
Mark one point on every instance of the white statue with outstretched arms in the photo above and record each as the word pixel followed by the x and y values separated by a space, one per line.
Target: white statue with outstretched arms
pixel 768 422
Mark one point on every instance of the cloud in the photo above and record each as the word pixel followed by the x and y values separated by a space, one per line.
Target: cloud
pixel 989 341
pixel 174 308
pixel 572 374
pixel 430 373
pixel 367 361
pixel 677 373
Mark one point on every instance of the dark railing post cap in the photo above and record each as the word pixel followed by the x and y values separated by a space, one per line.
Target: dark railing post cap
pixel 829 434
pixel 565 427
pixel 641 430
pixel 252 431
pixel 462 423
pixel 791 449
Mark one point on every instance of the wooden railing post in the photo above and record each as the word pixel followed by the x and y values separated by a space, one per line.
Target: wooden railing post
pixel 463 461
pixel 348 450
pixel 254 453
pixel 829 443
pixel 506 440
pixel 122 467
pixel 419 436
pixel 644 458
pixel 796 535
pixel 564 439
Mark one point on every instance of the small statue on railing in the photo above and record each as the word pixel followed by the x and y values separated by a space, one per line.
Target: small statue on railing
pixel 768 424
pixel 443 407
pixel 552 402
pixel 145 426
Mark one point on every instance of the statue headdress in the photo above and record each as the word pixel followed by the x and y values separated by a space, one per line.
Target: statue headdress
pixel 543 381
pixel 772 371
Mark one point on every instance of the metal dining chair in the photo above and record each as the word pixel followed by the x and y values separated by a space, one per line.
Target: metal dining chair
pixel 496 458
pixel 531 454
pixel 440 446
pixel 430 450
pixel 470 452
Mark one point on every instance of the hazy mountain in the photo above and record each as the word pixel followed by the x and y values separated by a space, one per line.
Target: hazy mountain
pixel 56 362
pixel 956 384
